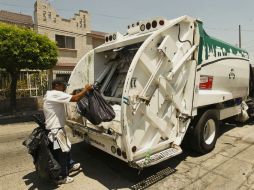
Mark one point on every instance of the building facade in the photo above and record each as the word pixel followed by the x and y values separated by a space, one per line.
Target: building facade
pixel 74 36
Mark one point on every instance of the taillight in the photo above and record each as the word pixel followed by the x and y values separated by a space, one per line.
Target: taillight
pixel 142 27
pixel 148 26
pixel 206 82
pixel 161 22
pixel 154 24
pixel 114 36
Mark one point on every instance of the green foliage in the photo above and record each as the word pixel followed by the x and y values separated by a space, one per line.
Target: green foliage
pixel 22 48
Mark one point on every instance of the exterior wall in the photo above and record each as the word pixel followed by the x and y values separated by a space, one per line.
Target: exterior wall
pixel 48 22
pixel 98 41
pixel 23 104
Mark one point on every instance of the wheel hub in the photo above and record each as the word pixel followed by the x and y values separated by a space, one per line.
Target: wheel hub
pixel 209 131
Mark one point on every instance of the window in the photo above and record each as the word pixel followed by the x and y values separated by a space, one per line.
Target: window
pixel 65 41
pixel 44 15
pixel 49 15
pixel 84 21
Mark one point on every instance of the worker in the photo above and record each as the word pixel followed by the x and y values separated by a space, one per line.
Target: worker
pixel 55 117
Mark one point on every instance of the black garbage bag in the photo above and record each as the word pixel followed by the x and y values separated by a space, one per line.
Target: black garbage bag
pixel 33 141
pixel 37 144
pixel 95 108
pixel 45 164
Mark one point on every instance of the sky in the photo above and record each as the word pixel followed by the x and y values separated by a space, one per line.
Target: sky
pixel 221 17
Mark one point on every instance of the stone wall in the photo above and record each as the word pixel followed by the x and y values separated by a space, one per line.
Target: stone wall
pixel 23 105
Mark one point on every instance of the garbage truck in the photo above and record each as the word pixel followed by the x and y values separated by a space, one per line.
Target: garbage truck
pixel 167 81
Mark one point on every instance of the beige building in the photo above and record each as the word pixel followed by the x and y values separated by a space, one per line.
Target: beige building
pixel 73 36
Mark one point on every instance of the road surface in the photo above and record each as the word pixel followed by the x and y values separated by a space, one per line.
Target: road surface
pixel 229 166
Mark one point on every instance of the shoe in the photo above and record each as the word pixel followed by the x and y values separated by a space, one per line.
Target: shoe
pixel 74 167
pixel 65 180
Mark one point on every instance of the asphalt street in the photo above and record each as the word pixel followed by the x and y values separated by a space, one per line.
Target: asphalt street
pixel 229 166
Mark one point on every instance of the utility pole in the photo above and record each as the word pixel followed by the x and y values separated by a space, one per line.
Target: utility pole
pixel 240 41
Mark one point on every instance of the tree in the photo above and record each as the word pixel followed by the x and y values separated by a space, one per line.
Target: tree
pixel 22 48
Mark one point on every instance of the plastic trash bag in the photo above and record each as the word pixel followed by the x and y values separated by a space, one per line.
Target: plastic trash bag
pixel 34 140
pixel 45 163
pixel 95 108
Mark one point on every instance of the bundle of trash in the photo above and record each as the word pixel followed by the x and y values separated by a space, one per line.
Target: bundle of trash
pixel 95 108
pixel 37 145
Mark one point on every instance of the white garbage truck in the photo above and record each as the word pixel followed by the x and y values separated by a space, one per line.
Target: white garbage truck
pixel 166 80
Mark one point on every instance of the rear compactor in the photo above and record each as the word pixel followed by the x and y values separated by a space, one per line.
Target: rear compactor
pixel 149 76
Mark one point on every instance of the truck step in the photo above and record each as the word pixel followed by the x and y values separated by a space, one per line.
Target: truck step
pixel 159 157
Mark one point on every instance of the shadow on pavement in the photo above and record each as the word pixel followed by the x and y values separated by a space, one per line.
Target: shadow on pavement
pixel 114 173
pixel 225 126
pixel 230 124
pixel 108 170
pixel 33 181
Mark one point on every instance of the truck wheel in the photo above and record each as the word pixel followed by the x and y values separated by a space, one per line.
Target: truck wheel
pixel 205 132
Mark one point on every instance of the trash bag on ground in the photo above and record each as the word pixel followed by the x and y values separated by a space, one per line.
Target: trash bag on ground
pixel 46 165
pixel 33 141
pixel 44 161
pixel 95 108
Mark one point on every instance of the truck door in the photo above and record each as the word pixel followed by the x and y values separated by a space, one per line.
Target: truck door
pixel 159 88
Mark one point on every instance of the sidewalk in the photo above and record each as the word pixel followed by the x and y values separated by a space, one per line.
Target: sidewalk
pixel 230 166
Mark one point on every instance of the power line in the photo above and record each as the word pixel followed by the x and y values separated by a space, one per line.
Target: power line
pixel 248 42
pixel 69 10
pixel 14 5
pixel 115 17
pixel 220 29
pixel 47 27
pixel 248 30
pixel 99 14
pixel 229 29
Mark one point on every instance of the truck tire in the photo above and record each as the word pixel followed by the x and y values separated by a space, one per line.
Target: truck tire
pixel 205 132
